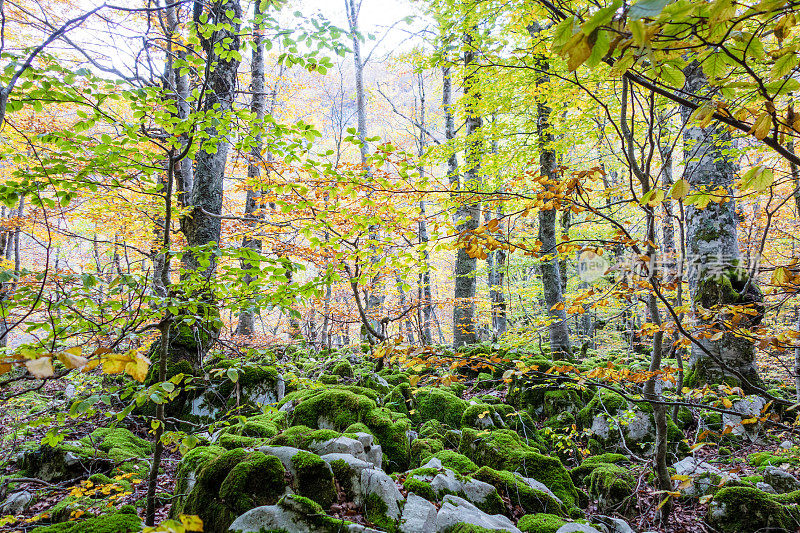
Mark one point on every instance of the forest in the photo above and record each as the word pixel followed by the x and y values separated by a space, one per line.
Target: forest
pixel 405 266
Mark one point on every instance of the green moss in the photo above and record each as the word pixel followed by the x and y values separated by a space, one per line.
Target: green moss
pixel 375 511
pixel 419 487
pixel 334 408
pixel 391 429
pixel 437 404
pixel 358 427
pixel 303 437
pixel 119 443
pixel 258 480
pixel 399 399
pixel 590 463
pixel 561 401
pixel 604 401
pixel 481 415
pixel 504 450
pixel 747 510
pixel 455 461
pixel 540 523
pixel 314 478
pixel 424 448
pixel 519 492
pixel 432 428
pixel 611 485
pixel 123 521
pixel 343 369
pixel 764 459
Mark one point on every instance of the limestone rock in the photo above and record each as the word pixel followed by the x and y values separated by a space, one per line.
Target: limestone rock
pixel 419 515
pixel 781 480
pixel 456 510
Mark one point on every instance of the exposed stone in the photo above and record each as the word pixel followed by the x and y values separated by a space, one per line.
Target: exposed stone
pixel 419 515
pixel 347 470
pixel 781 480
pixel 766 487
pixel 340 445
pixel 614 525
pixel 574 527
pixel 749 407
pixel 456 510
pixel 293 514
pixel 706 477
pixel 16 503
pixel 381 496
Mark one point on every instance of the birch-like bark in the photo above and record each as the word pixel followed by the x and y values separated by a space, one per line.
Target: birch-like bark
pixel 468 213
pixel 717 276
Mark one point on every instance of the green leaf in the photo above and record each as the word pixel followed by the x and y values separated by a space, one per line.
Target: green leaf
pixel 783 66
pixel 601 18
pixel 758 179
pixel 673 76
pixel 647 9
pixel 561 35
pixel 716 65
pixel 232 374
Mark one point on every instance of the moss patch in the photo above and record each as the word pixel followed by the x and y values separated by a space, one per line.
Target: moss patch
pixel 540 523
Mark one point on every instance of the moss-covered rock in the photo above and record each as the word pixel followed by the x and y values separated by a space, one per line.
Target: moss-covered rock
pixel 331 409
pixel 437 404
pixel 455 461
pixel 504 450
pixel 422 449
pixel 314 478
pixel 122 521
pixel 540 523
pixel 187 472
pixel 391 431
pixel 520 493
pixel 232 483
pixel 343 369
pixel 579 473
pixel 482 416
pixel 748 510
pixel 613 486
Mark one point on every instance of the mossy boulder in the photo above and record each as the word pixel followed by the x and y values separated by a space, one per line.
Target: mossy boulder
pixel 314 478
pixel 504 450
pixel 483 416
pixel 540 523
pixel 122 521
pixel 343 369
pixel 749 510
pixel 437 404
pixel 579 473
pixel 331 409
pixel 422 449
pixel 455 461
pixel 515 488
pixel 612 486
pixel 188 469
pixel 233 483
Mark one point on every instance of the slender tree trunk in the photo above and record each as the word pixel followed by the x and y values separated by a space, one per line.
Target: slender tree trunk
pixel 716 274
pixel 551 275
pixel 424 285
pixel 202 226
pixel 253 207
pixel 469 212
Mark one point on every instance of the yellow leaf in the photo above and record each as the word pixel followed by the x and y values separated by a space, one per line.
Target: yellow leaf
pixel 707 498
pixel 138 368
pixel 578 53
pixel 679 189
pixel 114 363
pixel 781 275
pixel 191 522
pixel 762 126
pixel 71 360
pixel 413 380
pixel 558 307
pixel 727 403
pixel 41 368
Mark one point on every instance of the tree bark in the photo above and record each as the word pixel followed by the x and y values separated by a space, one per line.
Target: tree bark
pixel 717 276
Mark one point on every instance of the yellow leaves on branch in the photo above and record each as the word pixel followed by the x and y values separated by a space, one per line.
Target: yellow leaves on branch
pixel 132 362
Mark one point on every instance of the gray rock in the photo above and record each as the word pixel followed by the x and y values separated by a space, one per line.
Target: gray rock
pixel 614 525
pixel 340 445
pixel 456 510
pixel 16 503
pixel 748 407
pixel 285 454
pixel 766 487
pixel 787 445
pixel 706 477
pixel 378 483
pixel 781 480
pixel 573 527
pixel 433 462
pixel 537 485
pixel 290 515
pixel 419 515
pixel 472 490
pixel 355 466
pixel 365 439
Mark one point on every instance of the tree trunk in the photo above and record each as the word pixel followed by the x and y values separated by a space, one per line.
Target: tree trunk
pixel 253 207
pixel 468 213
pixel 716 274
pixel 550 271
pixel 202 226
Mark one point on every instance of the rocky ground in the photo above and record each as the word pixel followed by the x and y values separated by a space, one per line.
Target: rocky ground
pixel 318 442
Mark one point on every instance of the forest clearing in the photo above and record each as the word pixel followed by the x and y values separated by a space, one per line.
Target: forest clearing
pixel 405 266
